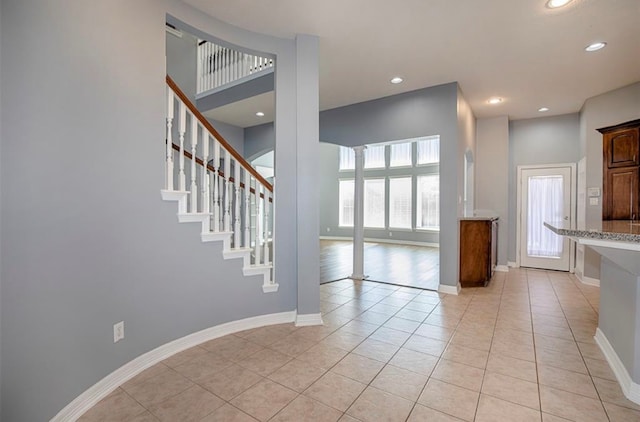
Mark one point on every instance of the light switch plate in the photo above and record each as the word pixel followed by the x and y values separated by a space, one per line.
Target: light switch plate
pixel 593 201
pixel 593 192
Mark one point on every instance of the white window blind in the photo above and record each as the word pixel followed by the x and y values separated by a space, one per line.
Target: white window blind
pixel 400 155
pixel 400 202
pixel 345 210
pixel 428 202
pixel 429 150
pixel 347 158
pixel 374 157
pixel 374 203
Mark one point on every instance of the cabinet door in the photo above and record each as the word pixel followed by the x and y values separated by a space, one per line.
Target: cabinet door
pixel 622 194
pixel 621 148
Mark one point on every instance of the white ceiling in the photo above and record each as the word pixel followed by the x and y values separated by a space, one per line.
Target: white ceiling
pixel 243 113
pixel 520 50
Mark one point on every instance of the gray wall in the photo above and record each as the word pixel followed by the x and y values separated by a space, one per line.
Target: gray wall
pixel 181 62
pixel 86 240
pixel 492 167
pixel 545 140
pixel 428 111
pixel 611 108
pixel 329 198
pixel 258 140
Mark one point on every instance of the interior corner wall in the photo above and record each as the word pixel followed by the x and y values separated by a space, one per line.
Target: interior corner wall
pixel 492 166
pixel 182 55
pixel 86 239
pixel 608 109
pixel 466 142
pixel 543 140
pixel 259 140
pixel 428 111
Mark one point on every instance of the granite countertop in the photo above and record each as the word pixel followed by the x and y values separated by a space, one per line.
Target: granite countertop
pixel 479 217
pixel 612 230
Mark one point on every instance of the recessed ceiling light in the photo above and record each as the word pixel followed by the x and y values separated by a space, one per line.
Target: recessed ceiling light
pixel 596 46
pixel 543 109
pixel 554 4
pixel 260 114
pixel 494 100
pixel 396 80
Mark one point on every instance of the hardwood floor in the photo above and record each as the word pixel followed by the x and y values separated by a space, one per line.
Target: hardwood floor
pixel 412 266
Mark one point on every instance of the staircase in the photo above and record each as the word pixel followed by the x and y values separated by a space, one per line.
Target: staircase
pixel 229 199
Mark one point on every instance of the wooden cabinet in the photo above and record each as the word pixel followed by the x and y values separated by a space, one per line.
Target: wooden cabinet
pixel 621 147
pixel 478 251
pixel 621 171
pixel 622 193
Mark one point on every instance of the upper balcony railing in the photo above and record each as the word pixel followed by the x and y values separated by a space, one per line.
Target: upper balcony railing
pixel 218 66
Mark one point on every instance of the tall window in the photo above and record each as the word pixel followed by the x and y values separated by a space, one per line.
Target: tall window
pixel 400 155
pixel 428 202
pixel 346 195
pixel 429 150
pixel 374 203
pixel 374 157
pixel 347 158
pixel 400 202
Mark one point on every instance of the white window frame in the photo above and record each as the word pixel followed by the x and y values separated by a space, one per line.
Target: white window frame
pixel 340 202
pixel 347 159
pixel 391 155
pixel 384 202
pixel 391 207
pixel 419 204
pixel 425 139
pixel 369 153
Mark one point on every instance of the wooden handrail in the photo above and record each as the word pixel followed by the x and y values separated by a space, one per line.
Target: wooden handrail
pixel 200 162
pixel 223 142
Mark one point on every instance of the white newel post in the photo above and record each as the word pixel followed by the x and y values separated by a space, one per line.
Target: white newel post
pixel 247 209
pixel 358 216
pixel 169 168
pixel 236 208
pixel 194 144
pixel 216 185
pixel 182 126
pixel 227 191
pixel 206 187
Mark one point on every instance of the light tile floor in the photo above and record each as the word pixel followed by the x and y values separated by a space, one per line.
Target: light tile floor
pixel 520 349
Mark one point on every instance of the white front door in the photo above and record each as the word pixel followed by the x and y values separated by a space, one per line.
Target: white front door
pixel 545 194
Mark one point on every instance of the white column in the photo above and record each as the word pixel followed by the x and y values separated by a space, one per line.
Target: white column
pixel 358 216
pixel 194 144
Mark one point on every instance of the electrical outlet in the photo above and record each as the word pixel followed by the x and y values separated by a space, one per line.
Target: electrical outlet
pixel 118 331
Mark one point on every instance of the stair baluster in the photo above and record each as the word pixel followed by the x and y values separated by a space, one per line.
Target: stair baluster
pixel 247 209
pixel 227 191
pixel 236 211
pixel 169 168
pixel 206 197
pixel 216 185
pixel 194 186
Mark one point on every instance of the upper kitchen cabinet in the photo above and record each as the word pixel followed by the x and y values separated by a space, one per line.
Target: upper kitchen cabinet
pixel 621 147
pixel 620 171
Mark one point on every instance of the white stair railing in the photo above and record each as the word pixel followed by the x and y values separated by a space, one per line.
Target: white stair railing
pixel 230 198
pixel 218 66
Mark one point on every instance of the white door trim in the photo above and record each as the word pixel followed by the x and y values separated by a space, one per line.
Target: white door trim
pixel 572 195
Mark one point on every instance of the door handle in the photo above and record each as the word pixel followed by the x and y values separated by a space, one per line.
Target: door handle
pixel 566 217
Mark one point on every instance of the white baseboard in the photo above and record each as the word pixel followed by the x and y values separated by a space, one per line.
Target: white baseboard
pixel 308 319
pixel 512 264
pixel 105 386
pixel 502 268
pixel 589 281
pixel 452 290
pixel 391 241
pixel 630 389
